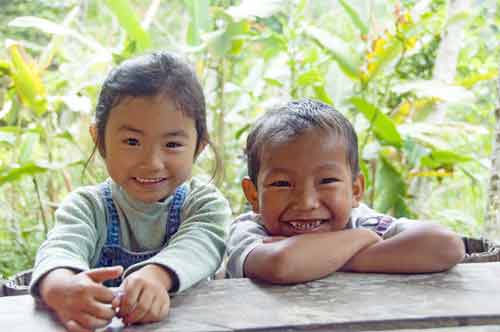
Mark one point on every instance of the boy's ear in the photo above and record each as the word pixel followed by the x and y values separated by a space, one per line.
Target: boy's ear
pixel 251 194
pixel 358 189
pixel 93 132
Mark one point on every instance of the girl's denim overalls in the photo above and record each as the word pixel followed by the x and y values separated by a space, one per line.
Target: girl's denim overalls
pixel 112 253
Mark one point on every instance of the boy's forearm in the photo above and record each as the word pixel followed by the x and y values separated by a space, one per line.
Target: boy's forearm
pixel 423 248
pixel 306 257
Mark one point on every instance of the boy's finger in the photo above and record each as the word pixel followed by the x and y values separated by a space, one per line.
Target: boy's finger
pixel 105 273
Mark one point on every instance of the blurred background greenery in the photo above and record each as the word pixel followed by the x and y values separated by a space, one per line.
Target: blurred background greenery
pixel 417 78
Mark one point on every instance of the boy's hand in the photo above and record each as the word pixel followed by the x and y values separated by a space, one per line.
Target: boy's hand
pixel 145 296
pixel 272 239
pixel 80 301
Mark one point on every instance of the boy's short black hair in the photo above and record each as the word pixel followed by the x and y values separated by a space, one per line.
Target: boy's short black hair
pixel 291 120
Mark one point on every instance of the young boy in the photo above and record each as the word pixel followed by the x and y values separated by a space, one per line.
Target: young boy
pixel 305 189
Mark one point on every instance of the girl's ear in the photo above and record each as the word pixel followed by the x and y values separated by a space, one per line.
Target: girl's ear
pixel 358 189
pixel 200 148
pixel 251 194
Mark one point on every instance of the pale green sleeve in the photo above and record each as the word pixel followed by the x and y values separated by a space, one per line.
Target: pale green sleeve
pixel 196 250
pixel 73 240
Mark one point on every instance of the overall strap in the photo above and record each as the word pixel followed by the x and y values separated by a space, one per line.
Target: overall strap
pixel 174 213
pixel 113 226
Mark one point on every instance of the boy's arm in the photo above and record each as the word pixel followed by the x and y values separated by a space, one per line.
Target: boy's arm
pixel 424 247
pixel 306 257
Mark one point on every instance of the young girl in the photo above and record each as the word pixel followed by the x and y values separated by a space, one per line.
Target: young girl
pixel 149 228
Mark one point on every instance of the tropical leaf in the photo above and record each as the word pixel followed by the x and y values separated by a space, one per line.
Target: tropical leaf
pixel 437 89
pixel 443 158
pixel 383 127
pixel 129 21
pixel 249 9
pixel 358 22
pixel 27 81
pixel 199 23
pixel 338 49
pixel 391 190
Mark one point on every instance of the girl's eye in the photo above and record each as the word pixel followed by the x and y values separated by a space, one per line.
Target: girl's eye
pixel 131 141
pixel 280 183
pixel 329 180
pixel 173 145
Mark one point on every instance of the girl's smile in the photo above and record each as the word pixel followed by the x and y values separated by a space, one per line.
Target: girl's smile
pixel 150 147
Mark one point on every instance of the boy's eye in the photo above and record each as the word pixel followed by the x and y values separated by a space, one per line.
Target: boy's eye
pixel 329 180
pixel 173 145
pixel 280 183
pixel 131 141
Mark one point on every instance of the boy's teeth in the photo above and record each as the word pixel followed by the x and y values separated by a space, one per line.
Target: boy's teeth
pixel 144 180
pixel 305 225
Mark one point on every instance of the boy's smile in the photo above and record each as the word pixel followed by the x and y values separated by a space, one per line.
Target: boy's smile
pixel 150 147
pixel 304 185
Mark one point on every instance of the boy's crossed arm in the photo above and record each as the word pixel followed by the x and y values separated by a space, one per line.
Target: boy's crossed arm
pixel 306 257
pixel 424 247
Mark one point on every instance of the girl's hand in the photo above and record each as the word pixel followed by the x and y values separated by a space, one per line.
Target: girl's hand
pixel 145 296
pixel 80 301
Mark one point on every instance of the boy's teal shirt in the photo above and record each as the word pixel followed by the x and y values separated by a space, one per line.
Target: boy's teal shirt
pixel 193 253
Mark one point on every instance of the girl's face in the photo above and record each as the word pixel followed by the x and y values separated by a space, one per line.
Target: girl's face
pixel 150 147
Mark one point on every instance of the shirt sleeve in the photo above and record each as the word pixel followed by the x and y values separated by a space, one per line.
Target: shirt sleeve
pixel 195 251
pixel 72 242
pixel 384 225
pixel 244 235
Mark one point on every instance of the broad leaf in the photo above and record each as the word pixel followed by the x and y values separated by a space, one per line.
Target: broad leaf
pixel 390 190
pixel 438 89
pixel 338 49
pixel 383 127
pixel 198 10
pixel 28 143
pixel 358 22
pixel 16 173
pixel 248 9
pixel 27 81
pixel 129 21
pixel 443 158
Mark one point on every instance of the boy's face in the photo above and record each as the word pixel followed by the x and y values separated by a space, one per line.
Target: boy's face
pixel 305 185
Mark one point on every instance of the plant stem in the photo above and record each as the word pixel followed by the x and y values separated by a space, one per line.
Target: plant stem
pixel 42 212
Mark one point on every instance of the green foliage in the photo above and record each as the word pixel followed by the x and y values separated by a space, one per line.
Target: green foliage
pixel 373 63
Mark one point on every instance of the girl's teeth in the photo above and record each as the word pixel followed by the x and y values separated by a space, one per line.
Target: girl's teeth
pixel 303 226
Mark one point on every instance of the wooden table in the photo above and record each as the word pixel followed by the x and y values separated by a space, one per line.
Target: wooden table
pixel 456 301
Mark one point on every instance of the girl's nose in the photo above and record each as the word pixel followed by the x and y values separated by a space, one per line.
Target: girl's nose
pixel 152 159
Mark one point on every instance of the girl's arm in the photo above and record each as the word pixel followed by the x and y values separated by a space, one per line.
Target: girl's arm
pixel 424 247
pixel 195 251
pixel 306 257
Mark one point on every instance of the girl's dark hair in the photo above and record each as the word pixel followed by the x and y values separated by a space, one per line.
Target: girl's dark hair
pixel 151 75
pixel 286 122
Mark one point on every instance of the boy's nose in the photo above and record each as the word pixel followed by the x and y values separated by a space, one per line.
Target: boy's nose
pixel 307 199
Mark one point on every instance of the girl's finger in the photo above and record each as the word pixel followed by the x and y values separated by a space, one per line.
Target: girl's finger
pixel 141 309
pixel 87 321
pixel 73 326
pixel 100 311
pixel 129 299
